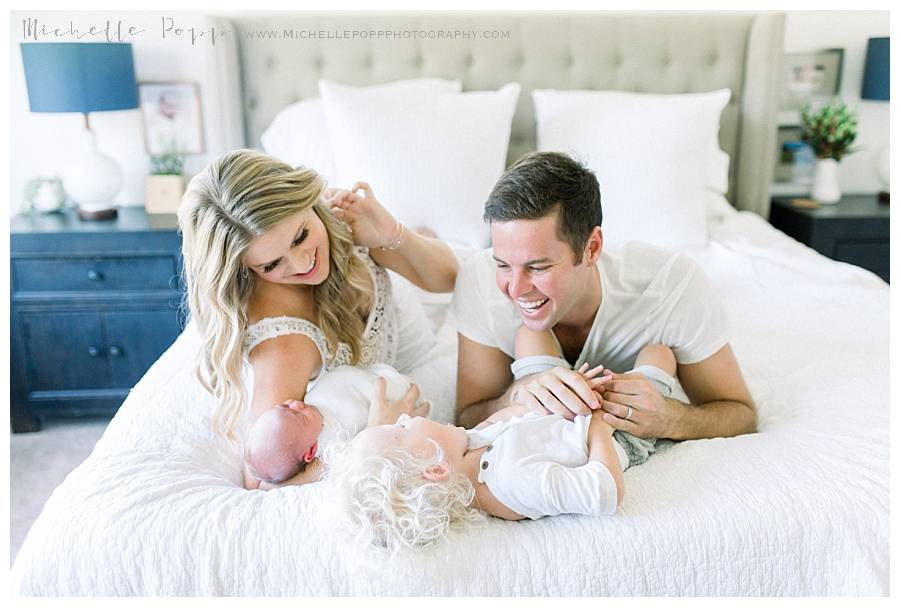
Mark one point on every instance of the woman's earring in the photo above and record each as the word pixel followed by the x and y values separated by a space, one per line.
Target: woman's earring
pixel 245 272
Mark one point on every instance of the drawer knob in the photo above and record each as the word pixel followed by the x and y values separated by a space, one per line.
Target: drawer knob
pixel 93 351
pixel 94 275
pixel 115 351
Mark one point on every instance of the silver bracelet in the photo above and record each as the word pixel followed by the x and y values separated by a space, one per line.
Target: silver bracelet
pixel 394 243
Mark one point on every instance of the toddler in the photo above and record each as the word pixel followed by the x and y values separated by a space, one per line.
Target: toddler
pixel 406 484
pixel 284 439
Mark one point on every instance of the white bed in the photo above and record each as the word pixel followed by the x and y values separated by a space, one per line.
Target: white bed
pixel 799 508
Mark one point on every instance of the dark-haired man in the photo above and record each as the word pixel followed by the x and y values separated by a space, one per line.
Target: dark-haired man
pixel 548 270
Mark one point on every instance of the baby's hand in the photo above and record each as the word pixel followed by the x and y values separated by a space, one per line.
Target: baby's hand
pixel 385 411
pixel 595 377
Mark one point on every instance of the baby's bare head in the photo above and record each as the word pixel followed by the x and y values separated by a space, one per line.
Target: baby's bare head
pixel 282 441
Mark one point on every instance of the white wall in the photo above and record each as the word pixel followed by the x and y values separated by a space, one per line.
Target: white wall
pixel 815 30
pixel 41 143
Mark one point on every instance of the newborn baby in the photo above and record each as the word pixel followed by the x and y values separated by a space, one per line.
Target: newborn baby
pixel 284 439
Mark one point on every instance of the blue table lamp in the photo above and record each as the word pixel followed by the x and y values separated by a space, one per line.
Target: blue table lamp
pixel 877 87
pixel 83 77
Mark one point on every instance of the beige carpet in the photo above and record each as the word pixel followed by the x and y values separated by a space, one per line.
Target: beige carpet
pixel 39 462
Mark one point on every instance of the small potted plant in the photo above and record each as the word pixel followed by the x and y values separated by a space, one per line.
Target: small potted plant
pixel 44 195
pixel 829 131
pixel 164 187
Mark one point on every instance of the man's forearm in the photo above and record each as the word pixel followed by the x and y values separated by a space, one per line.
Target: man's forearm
pixel 476 413
pixel 711 420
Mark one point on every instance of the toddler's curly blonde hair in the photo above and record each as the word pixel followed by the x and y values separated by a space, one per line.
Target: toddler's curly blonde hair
pixel 389 503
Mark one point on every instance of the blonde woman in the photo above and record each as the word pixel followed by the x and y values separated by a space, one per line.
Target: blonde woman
pixel 276 277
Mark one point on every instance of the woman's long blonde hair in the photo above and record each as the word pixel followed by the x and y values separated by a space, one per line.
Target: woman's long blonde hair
pixel 237 197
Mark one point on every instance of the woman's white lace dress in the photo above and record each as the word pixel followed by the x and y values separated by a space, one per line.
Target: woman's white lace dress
pixel 379 343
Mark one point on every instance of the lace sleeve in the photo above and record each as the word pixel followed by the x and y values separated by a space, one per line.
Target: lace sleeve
pixel 276 326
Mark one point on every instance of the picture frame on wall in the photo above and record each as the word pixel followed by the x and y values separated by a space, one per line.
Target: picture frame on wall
pixel 173 121
pixel 810 75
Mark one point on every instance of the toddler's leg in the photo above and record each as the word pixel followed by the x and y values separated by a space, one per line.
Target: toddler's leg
pixel 536 353
pixel 657 355
pixel 532 343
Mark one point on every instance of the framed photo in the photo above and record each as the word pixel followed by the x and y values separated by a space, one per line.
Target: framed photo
pixel 172 117
pixel 810 75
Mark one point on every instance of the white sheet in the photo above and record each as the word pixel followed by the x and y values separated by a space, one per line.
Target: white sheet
pixel 801 508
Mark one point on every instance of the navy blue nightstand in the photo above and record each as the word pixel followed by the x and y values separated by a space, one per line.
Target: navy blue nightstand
pixel 93 305
pixel 856 230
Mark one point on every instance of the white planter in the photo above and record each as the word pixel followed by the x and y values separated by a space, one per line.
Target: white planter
pixel 163 193
pixel 826 188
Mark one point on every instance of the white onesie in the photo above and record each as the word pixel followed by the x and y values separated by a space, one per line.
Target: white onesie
pixel 343 394
pixel 537 465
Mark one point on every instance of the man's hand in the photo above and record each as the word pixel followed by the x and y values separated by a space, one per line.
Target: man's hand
pixel 383 411
pixel 634 405
pixel 562 391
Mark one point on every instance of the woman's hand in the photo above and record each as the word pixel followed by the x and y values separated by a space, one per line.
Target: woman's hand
pixel 412 253
pixel 383 411
pixel 371 224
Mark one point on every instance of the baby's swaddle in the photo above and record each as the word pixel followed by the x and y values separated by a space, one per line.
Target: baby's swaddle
pixel 343 395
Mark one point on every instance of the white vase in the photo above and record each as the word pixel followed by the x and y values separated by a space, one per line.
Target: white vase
pixel 826 188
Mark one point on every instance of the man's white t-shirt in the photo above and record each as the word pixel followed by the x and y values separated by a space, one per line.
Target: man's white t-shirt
pixel 649 295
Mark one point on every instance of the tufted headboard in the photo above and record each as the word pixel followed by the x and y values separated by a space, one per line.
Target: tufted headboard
pixel 649 52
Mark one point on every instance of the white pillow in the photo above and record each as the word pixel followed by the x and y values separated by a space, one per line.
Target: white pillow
pixel 657 157
pixel 431 160
pixel 298 133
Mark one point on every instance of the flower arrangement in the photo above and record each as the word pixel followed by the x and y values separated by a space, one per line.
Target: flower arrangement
pixel 44 195
pixel 830 130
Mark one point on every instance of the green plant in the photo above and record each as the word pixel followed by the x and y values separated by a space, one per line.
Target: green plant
pixel 169 162
pixel 830 130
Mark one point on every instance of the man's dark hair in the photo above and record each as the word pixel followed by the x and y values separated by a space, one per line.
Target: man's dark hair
pixel 539 183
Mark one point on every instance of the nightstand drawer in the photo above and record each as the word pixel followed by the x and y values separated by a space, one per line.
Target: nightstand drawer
pixel 63 350
pixel 94 274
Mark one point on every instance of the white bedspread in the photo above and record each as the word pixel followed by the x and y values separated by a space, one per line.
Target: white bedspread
pixel 801 508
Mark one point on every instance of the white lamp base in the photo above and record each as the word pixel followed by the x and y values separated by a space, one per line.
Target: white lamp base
pixel 92 180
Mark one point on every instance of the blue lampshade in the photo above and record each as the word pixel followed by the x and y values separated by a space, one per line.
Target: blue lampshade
pixel 79 77
pixel 877 75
